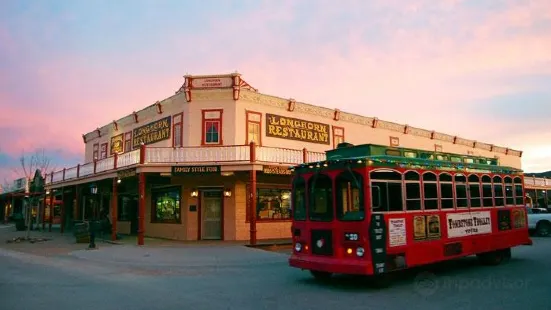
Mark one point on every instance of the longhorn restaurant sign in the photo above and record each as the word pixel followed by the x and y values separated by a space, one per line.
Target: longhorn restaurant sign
pixel 153 132
pixel 296 129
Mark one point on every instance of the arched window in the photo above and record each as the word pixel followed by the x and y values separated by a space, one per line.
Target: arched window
pixel 320 198
pixel 462 198
pixel 386 191
pixel 509 191
pixel 299 199
pixel 498 191
pixel 413 191
pixel 474 191
pixel 519 192
pixel 487 191
pixel 350 197
pixel 430 191
pixel 446 190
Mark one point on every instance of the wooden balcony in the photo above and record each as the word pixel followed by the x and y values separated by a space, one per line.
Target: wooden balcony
pixel 151 156
pixel 533 182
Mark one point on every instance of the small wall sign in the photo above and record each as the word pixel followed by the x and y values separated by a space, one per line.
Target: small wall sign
pixel 184 170
pixel 276 170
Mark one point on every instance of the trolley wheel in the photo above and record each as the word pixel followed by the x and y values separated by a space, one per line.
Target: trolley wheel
pixel 381 281
pixel 543 229
pixel 321 275
pixel 494 258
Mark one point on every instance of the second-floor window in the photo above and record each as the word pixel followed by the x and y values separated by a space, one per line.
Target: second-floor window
pixel 254 127
pixel 338 136
pixel 128 141
pixel 103 153
pixel 95 154
pixel 212 127
pixel 177 129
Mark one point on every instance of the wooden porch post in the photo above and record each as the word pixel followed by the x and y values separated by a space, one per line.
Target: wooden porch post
pixel 62 210
pixel 252 197
pixel 51 210
pixel 114 210
pixel 44 212
pixel 141 208
pixel 77 203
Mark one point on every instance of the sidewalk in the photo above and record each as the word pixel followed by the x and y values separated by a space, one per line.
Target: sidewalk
pixel 57 244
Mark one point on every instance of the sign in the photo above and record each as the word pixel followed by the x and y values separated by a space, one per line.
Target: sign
pixel 468 223
pixel 151 133
pixel 433 227
pixel 397 232
pixel 117 144
pixel 126 173
pixel 519 218
pixel 419 227
pixel 183 170
pixel 503 220
pixel 296 129
pixel 278 170
pixel 377 238
pixel 212 82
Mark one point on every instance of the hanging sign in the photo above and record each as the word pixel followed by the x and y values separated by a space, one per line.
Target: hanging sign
pixel 277 170
pixel 183 170
pixel 296 129
pixel 151 133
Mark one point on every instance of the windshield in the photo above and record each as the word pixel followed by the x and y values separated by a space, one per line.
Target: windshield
pixel 320 198
pixel 299 199
pixel 350 196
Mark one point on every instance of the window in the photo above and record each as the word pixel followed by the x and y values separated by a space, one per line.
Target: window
pixel 95 154
pixel 430 191
pixel 166 203
pixel 177 129
pixel 487 191
pixel 212 127
pixel 273 203
pixel 413 191
pixel 127 208
pixel 299 199
pixel 498 191
pixel 446 191
pixel 128 141
pixel 320 198
pixel 461 191
pixel 474 191
pixel 350 205
pixel 338 136
pixel 509 191
pixel 386 191
pixel 519 192
pixel 103 153
pixel 254 127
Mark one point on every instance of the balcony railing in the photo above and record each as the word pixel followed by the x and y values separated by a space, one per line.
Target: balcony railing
pixel 165 155
pixel 537 182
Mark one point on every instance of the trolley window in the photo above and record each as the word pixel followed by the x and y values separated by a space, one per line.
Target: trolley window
pixel 320 198
pixel 350 196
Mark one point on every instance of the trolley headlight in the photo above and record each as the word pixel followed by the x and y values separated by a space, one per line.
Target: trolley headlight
pixel 360 252
pixel 298 247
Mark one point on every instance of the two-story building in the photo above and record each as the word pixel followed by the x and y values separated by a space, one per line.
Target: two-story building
pixel 211 161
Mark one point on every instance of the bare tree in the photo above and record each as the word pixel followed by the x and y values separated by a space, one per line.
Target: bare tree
pixel 29 163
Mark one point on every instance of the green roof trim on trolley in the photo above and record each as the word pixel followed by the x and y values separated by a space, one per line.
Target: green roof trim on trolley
pixel 347 154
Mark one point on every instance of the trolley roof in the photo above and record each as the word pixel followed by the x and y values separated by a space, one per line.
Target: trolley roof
pixel 349 155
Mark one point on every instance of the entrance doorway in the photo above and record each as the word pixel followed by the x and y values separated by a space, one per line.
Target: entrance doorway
pixel 211 214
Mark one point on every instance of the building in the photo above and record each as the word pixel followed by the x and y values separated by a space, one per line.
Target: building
pixel 538 189
pixel 197 164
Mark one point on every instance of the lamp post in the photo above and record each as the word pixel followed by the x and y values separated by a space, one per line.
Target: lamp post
pixel 92 222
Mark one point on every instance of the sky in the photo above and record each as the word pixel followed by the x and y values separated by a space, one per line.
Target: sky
pixel 479 69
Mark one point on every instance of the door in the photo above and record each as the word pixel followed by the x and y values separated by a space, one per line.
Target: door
pixel 211 214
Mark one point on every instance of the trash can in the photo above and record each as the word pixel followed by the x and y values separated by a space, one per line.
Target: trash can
pixel 19 220
pixel 81 232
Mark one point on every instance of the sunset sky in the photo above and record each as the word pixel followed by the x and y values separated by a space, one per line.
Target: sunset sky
pixel 480 69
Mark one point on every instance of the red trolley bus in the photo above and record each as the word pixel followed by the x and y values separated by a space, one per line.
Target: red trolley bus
pixel 372 210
